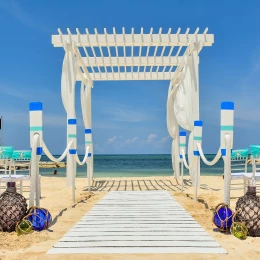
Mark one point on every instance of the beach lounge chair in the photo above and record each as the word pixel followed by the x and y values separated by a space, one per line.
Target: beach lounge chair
pixel 21 162
pixel 5 159
pixel 239 160
pixel 6 153
pixel 8 160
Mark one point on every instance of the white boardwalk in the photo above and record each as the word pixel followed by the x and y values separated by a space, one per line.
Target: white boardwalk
pixel 137 222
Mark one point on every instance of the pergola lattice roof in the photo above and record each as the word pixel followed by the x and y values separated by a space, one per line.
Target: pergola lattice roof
pixel 132 56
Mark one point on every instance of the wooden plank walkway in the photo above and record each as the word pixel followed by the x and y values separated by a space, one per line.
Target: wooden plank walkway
pixel 137 222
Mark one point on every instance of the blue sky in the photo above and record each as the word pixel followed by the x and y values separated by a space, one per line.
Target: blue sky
pixel 128 116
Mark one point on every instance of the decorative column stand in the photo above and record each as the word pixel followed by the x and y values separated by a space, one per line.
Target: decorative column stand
pixel 36 135
pixel 197 138
pixel 226 135
pixel 88 137
pixel 71 169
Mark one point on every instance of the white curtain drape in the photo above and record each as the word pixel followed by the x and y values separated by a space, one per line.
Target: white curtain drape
pixel 173 129
pixel 181 111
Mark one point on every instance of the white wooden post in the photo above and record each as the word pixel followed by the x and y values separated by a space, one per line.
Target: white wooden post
pixel 71 124
pixel 182 148
pixel 194 171
pixel 197 138
pixel 71 162
pixel 35 128
pixel 226 135
pixel 88 136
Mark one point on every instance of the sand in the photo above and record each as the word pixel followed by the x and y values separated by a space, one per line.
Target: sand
pixel 57 198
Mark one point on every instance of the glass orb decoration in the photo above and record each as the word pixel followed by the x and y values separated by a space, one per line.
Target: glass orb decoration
pixel 248 207
pixel 13 208
pixel 222 217
pixel 39 217
pixel 23 227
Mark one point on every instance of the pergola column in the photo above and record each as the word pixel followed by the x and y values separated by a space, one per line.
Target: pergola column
pixel 88 134
pixel 71 168
pixel 196 112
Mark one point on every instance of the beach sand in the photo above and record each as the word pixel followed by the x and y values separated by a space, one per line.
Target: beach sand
pixel 57 199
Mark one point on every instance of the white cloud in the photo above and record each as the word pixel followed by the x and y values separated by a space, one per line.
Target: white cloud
pixel 151 138
pixel 111 140
pixel 131 140
pixel 165 139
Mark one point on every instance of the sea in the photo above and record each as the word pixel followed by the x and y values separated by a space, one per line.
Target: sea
pixel 134 165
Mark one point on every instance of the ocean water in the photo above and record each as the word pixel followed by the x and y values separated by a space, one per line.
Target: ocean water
pixel 137 165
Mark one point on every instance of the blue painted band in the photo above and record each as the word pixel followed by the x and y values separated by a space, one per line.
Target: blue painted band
pixel 198 123
pixel 180 156
pixel 223 152
pixel 72 151
pixel 39 150
pixel 89 154
pixel 35 106
pixel 182 133
pixel 227 105
pixel 72 121
pixel 87 131
pixel 196 153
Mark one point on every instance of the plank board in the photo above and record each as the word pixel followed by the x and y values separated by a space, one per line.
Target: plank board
pixel 137 222
pixel 136 238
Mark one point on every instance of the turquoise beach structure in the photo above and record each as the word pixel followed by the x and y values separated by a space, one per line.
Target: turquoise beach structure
pixel 91 57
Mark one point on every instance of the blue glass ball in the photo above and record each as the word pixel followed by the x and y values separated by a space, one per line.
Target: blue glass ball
pixel 40 218
pixel 223 217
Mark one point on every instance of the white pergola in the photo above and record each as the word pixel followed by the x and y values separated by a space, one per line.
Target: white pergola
pixel 132 56
pixel 107 56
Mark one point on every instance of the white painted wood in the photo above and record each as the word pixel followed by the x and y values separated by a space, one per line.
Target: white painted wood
pixel 136 218
pixel 138 212
pixel 133 221
pixel 138 229
pixel 136 203
pixel 139 250
pixel 140 209
pixel 129 76
pixel 132 206
pixel 136 226
pixel 136 238
pixel 137 243
pixel 132 39
pixel 131 61
pixel 130 234
pixel 150 211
